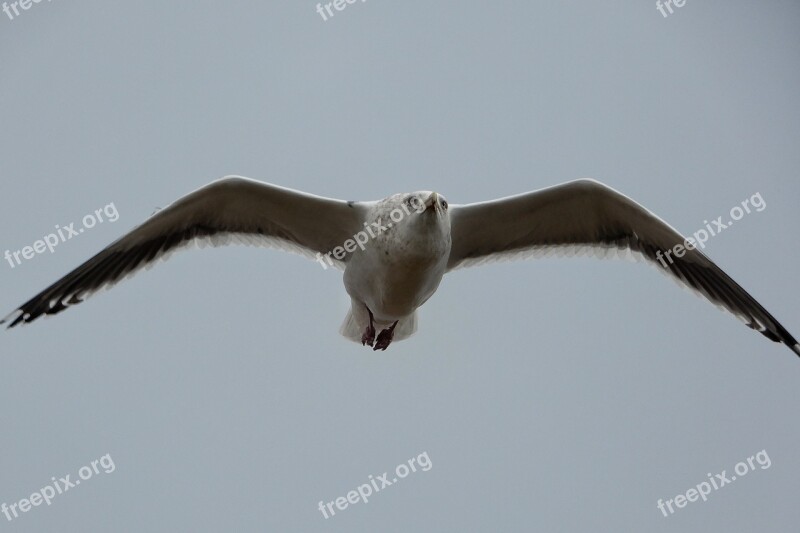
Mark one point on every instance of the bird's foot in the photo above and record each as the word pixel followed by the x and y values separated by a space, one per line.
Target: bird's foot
pixel 368 338
pixel 385 338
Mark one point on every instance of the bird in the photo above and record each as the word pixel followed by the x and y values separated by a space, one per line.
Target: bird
pixel 395 252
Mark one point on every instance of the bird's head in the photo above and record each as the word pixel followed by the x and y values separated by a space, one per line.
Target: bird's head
pixel 426 207
pixel 420 212
pixel 421 201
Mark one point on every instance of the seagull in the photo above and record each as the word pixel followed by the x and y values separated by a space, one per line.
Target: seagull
pixel 394 252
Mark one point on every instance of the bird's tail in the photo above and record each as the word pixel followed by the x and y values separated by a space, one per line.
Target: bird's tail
pixel 406 327
pixel 352 328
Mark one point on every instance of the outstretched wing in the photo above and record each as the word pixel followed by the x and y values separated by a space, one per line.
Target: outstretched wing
pixel 232 209
pixel 584 214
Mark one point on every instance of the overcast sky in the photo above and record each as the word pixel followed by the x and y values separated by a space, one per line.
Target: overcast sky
pixel 552 395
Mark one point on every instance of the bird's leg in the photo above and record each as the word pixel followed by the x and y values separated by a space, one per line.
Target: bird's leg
pixel 369 334
pixel 385 337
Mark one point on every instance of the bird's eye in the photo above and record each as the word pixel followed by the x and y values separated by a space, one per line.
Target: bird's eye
pixel 444 204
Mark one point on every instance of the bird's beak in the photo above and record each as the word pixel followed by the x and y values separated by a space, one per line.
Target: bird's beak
pixel 432 201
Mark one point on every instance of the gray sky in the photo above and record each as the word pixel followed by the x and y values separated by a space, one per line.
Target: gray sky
pixel 558 395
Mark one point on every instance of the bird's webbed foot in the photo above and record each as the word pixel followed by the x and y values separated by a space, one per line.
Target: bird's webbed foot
pixel 385 338
pixel 368 338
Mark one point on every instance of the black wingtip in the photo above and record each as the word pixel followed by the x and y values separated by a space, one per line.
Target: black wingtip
pixel 17 316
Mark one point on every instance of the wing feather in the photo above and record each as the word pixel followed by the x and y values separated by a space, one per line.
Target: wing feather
pixel 587 213
pixel 233 209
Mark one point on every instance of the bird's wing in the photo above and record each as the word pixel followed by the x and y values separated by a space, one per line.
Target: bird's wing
pixel 587 214
pixel 232 209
